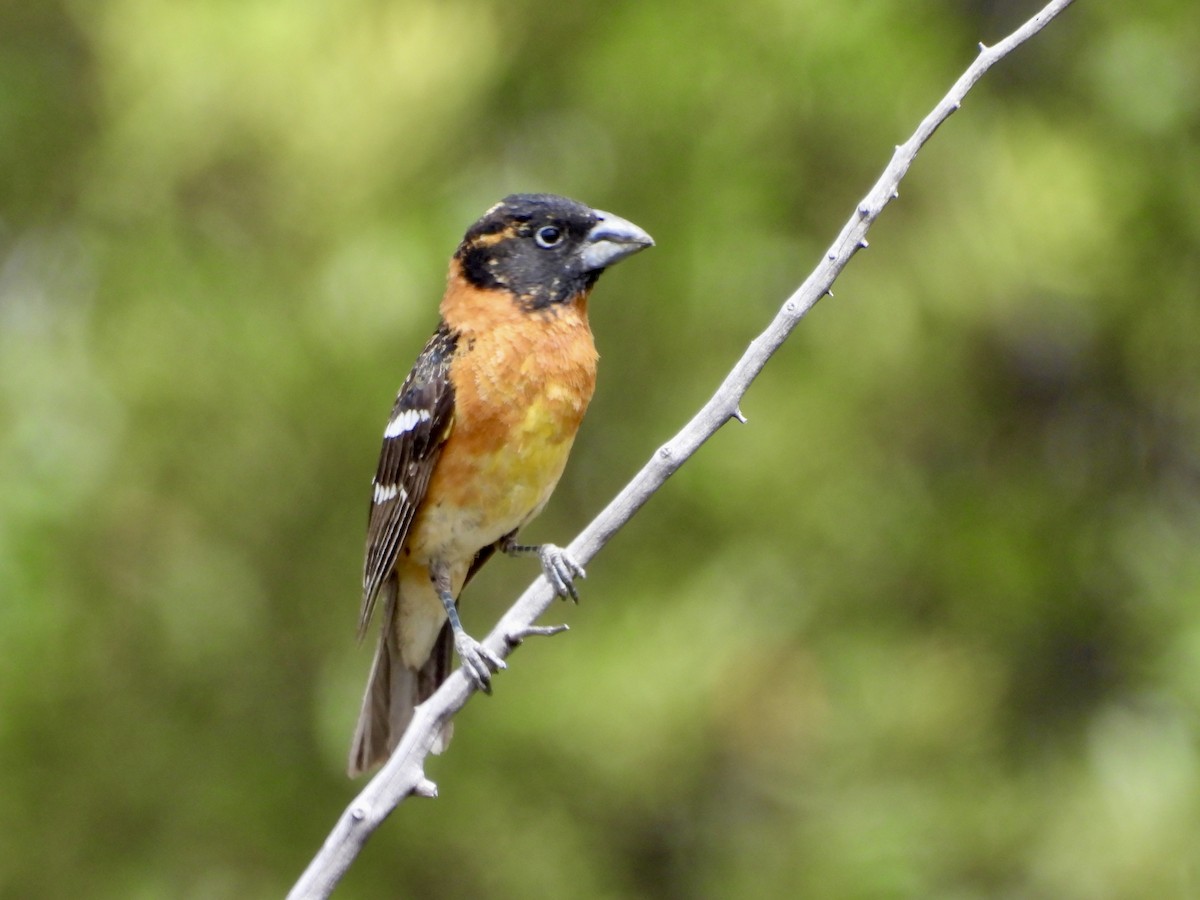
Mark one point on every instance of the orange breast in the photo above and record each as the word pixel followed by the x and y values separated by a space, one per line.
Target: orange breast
pixel 523 380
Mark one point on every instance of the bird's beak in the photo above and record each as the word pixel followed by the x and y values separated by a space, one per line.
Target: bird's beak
pixel 610 241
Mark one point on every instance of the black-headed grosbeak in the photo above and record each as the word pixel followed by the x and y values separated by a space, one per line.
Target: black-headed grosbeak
pixel 476 442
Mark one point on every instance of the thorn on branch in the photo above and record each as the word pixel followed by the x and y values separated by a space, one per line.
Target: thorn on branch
pixel 863 244
pixel 828 292
pixel 357 813
pixel 425 788
pixel 983 47
pixel 864 210
pixel 515 638
pixel 833 256
pixel 737 414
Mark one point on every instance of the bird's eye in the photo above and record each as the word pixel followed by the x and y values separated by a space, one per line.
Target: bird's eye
pixel 548 236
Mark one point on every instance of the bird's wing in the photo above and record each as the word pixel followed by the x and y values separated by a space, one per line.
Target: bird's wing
pixel 412 442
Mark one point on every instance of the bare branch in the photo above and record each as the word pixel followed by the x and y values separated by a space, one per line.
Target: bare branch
pixel 404 773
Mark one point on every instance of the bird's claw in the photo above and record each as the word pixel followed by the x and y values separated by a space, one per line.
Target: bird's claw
pixel 561 570
pixel 478 662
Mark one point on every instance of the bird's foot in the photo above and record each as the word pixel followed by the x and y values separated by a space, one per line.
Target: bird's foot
pixel 559 567
pixel 560 570
pixel 478 661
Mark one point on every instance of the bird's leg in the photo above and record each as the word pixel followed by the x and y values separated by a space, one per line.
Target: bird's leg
pixel 478 661
pixel 557 565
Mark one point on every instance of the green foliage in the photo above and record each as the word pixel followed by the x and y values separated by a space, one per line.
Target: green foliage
pixel 928 626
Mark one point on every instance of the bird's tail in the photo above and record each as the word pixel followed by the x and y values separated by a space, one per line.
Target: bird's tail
pixel 393 692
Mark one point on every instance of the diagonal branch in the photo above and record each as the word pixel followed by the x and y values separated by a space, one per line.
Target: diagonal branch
pixel 404 773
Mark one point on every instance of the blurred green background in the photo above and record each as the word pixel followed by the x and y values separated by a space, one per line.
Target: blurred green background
pixel 929 626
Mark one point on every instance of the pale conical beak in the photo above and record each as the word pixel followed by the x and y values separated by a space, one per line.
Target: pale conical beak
pixel 610 241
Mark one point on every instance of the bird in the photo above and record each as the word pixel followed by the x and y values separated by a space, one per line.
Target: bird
pixel 476 441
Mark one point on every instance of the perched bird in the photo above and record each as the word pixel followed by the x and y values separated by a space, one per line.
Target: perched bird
pixel 477 439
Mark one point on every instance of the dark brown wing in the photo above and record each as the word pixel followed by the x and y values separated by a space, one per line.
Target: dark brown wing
pixel 421 420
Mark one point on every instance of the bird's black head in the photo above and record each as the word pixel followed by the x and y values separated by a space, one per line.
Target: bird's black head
pixel 545 249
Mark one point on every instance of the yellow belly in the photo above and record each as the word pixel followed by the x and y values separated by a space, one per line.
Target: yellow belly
pixel 482 498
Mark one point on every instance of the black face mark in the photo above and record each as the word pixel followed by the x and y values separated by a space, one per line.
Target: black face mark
pixel 529 245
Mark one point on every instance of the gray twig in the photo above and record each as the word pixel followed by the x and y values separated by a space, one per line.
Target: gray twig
pixel 404 773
